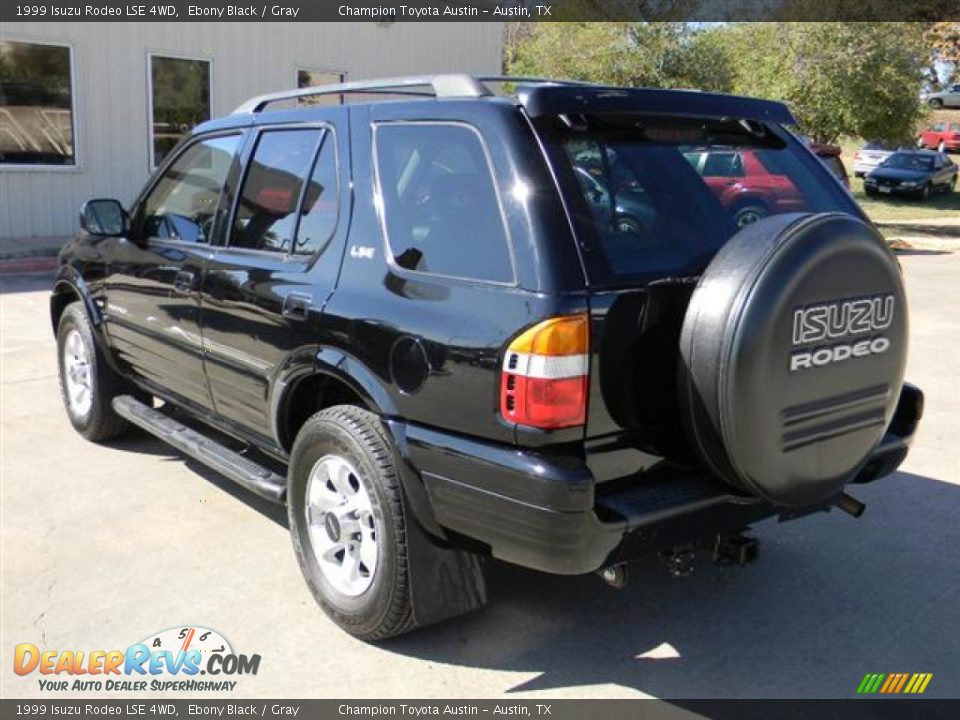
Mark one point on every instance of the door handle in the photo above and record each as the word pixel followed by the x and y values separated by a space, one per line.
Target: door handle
pixel 185 281
pixel 296 306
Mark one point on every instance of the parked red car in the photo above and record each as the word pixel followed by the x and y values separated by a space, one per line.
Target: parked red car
pixel 746 185
pixel 941 137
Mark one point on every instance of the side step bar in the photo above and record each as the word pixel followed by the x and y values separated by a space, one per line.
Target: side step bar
pixel 255 478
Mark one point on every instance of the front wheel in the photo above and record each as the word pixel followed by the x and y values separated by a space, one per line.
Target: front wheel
pixel 936 103
pixel 345 508
pixel 87 383
pixel 942 147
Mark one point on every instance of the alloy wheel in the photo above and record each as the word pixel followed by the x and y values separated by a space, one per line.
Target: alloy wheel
pixel 341 525
pixel 77 374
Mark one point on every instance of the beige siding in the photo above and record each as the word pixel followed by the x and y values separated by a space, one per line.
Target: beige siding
pixel 110 99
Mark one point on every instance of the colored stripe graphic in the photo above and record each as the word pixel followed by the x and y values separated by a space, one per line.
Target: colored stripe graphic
pixel 894 683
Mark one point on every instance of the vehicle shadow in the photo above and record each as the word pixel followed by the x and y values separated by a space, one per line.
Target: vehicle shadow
pixel 829 599
pixel 142 443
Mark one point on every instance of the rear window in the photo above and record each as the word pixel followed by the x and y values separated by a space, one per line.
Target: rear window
pixel 658 197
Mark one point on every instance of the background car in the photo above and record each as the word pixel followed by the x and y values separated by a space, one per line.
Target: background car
pixel 870 156
pixel 945 98
pixel 831 155
pixel 918 173
pixel 747 182
pixel 941 136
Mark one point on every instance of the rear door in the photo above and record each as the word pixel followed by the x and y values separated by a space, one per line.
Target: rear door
pixel 154 275
pixel 641 279
pixel 275 266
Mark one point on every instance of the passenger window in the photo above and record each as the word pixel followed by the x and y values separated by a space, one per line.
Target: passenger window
pixel 318 218
pixel 440 203
pixel 723 165
pixel 266 215
pixel 182 204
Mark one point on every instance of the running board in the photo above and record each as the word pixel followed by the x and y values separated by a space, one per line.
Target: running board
pixel 243 471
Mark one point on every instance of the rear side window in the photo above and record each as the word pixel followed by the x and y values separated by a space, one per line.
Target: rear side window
pixel 441 211
pixel 266 215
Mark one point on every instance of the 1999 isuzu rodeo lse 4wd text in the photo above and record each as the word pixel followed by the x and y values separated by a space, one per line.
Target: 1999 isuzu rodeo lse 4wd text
pixel 451 324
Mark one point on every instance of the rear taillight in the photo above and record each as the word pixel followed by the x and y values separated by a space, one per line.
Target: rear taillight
pixel 543 383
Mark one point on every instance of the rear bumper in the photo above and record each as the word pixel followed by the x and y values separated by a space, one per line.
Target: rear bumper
pixel 551 516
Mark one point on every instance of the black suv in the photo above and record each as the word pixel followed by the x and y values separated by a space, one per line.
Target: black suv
pixel 450 324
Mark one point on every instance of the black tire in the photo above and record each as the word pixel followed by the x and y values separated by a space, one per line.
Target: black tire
pixel 936 103
pixel 99 422
pixel 924 193
pixel 384 609
pixel 870 193
pixel 749 212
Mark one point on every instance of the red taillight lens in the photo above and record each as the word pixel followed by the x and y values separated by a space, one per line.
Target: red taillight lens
pixel 543 382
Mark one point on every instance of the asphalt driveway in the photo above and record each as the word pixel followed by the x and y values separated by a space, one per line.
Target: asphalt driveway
pixel 104 545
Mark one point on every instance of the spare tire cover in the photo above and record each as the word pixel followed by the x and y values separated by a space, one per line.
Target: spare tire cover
pixel 792 355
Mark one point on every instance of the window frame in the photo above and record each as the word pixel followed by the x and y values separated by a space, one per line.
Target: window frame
pixel 151 159
pixel 136 216
pixel 381 207
pixel 75 166
pixel 247 154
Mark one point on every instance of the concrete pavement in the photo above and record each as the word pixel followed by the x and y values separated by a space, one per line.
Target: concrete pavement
pixel 104 545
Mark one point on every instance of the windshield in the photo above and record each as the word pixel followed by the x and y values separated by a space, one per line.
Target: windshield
pixel 658 197
pixel 908 161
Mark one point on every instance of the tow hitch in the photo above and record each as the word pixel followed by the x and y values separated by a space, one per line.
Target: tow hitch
pixel 678 561
pixel 734 549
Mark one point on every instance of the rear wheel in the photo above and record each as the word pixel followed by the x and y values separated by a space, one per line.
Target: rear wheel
pixel 925 192
pixel 942 147
pixel 347 522
pixel 936 103
pixel 748 213
pixel 87 383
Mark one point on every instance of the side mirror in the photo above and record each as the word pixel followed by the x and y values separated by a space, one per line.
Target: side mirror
pixel 104 217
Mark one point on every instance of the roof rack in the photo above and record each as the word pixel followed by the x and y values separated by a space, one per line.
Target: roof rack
pixel 440 86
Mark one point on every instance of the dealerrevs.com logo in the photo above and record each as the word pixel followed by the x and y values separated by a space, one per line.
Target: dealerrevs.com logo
pixel 183 659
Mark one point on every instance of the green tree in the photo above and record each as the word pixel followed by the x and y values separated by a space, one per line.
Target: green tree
pixel 662 54
pixel 859 79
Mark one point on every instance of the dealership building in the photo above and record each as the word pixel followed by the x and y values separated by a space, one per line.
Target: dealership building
pixel 89 109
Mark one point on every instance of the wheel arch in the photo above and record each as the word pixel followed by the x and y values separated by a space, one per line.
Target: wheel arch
pixel 337 378
pixel 68 287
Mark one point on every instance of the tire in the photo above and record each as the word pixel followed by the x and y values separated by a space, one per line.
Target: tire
pixel 870 193
pixel 952 187
pixel 350 444
pixel 925 192
pixel 936 103
pixel 749 213
pixel 87 383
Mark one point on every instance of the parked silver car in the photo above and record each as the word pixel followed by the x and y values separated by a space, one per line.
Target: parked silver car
pixel 870 156
pixel 945 98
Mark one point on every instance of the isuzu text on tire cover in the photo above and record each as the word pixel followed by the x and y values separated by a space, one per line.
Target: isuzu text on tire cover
pixel 557 328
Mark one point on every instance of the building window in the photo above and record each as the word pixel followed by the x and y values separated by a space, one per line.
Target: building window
pixel 179 100
pixel 36 104
pixel 318 78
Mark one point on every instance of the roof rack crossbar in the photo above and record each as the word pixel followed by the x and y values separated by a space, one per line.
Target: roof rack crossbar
pixel 441 86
